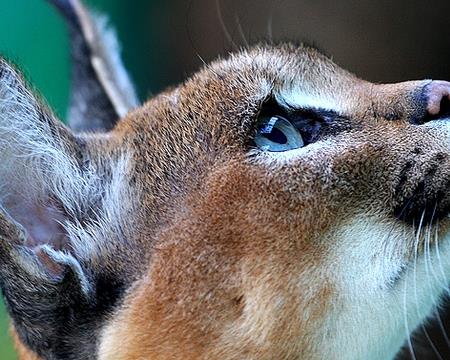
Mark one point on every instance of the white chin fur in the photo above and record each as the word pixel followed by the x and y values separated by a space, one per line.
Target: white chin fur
pixel 376 312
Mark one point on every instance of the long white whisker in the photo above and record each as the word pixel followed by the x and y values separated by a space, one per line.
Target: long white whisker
pixel 427 259
pixel 405 317
pixel 429 267
pixel 438 254
pixel 416 299
pixel 222 24
pixel 241 32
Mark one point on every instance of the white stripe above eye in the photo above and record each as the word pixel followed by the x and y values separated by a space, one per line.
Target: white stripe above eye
pixel 300 99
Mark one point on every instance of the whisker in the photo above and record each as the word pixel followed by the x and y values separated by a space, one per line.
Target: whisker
pixel 241 31
pixel 405 317
pixel 400 215
pixel 416 254
pixel 442 327
pixel 440 322
pixel 427 259
pixel 429 266
pixel 189 34
pixel 438 254
pixel 427 244
pixel 270 28
pixel 224 28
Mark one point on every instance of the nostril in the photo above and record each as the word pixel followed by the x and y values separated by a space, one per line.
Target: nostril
pixel 444 110
pixel 437 94
pixel 442 113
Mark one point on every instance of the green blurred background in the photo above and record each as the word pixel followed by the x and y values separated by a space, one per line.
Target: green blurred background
pixel 164 41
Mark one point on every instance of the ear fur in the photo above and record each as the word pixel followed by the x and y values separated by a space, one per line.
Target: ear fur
pixel 47 172
pixel 102 91
pixel 41 287
pixel 40 158
pixel 61 212
pixel 33 143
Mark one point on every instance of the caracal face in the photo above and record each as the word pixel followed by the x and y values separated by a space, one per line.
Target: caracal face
pixel 273 206
pixel 329 250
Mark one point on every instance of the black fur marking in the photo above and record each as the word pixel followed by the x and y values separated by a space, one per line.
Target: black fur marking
pixel 425 205
pixel 419 98
pixel 66 9
pixel 403 177
pixel 430 196
pixel 421 115
pixel 57 314
pixel 58 321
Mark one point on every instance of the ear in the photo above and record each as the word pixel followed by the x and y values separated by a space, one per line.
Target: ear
pixel 40 285
pixel 41 179
pixel 41 161
pixel 101 90
pixel 61 226
pixel 41 174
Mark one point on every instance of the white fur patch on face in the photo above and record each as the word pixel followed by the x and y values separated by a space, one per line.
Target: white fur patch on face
pixel 384 293
pixel 282 158
pixel 442 125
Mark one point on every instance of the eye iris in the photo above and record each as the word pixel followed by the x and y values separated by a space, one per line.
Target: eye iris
pixel 276 134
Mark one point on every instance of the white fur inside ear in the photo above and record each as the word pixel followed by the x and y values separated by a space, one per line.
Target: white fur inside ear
pixel 94 238
pixel 54 258
pixel 40 166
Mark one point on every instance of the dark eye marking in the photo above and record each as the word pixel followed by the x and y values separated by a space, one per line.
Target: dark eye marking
pixel 313 123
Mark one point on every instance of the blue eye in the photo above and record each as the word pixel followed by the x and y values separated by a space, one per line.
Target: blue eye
pixel 276 134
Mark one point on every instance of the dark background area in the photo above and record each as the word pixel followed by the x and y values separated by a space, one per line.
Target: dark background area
pixel 165 41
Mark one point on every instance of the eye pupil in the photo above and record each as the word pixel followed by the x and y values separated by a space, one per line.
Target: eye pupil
pixel 276 136
pixel 276 133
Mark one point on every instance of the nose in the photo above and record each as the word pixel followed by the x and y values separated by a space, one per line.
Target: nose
pixel 417 102
pixel 437 97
